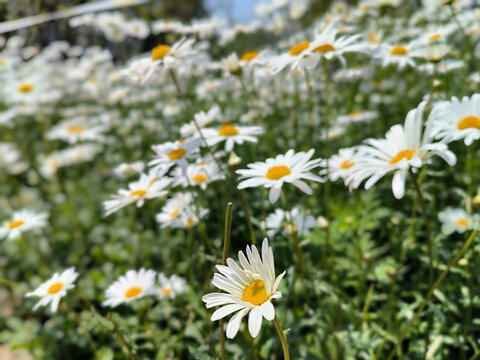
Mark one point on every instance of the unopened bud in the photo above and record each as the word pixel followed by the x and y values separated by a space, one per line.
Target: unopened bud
pixel 234 160
pixel 322 223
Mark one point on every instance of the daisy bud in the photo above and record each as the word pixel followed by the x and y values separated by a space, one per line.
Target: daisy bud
pixel 322 223
pixel 391 272
pixel 234 160
pixel 463 262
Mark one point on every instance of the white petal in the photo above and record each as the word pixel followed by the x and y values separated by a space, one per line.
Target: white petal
pixel 255 321
pixel 225 310
pixel 234 323
pixel 268 310
pixel 398 184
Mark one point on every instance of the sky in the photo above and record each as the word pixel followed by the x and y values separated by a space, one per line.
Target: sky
pixel 241 10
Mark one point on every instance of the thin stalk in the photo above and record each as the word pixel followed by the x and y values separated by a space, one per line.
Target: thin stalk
pixel 121 340
pixel 283 339
pixel 226 245
pixel 475 356
pixel 300 261
pixel 426 220
pixel 326 155
pixel 437 283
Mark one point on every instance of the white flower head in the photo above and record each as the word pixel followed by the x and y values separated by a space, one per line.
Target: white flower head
pixel 52 290
pixel 404 147
pixel 289 168
pixel 170 286
pixel 21 221
pixel 133 285
pixel 147 187
pixel 232 135
pixel 174 153
pixel 250 289
pixel 457 220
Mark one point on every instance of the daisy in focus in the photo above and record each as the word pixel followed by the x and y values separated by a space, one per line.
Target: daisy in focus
pixel 52 290
pixel 289 168
pixel 457 119
pixel 133 285
pixel 250 289
pixel 147 187
pixel 457 220
pixel 21 221
pixel 232 135
pixel 403 148
pixel 169 287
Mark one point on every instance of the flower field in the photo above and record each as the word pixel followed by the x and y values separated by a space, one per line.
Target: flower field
pixel 304 186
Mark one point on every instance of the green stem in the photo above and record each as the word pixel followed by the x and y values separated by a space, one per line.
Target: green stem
pixel 283 339
pixel 226 245
pixel 300 261
pixel 121 340
pixel 426 220
pixel 437 283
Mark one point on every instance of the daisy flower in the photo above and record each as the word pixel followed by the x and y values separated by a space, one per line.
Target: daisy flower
pixel 249 289
pixel 457 220
pixel 400 55
pixel 232 135
pixel 21 221
pixel 147 187
pixel 170 286
pixel 403 148
pixel 76 130
pixel 289 168
pixel 173 209
pixel 457 119
pixel 54 289
pixel 161 55
pixel 202 119
pixel 340 165
pixel 200 174
pixel 296 220
pixel 124 170
pixel 357 116
pixel 307 54
pixel 174 153
pixel 133 285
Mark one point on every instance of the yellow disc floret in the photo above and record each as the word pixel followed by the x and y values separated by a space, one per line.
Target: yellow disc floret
pixel 160 51
pixel 255 293
pixel 277 172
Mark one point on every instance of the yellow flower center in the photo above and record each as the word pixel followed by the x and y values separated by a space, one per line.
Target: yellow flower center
pixel 347 164
pixel 355 113
pixel 435 37
pixel 324 48
pixel 373 38
pixel 55 288
pixel 76 129
pixel 133 291
pixel 138 193
pixel 404 154
pixel 249 56
pixel 470 122
pixel 166 291
pixel 15 224
pixel 462 222
pixel 255 293
pixel 399 50
pixel 228 130
pixel 177 154
pixel 160 51
pixel 3 62
pixel 277 172
pixel 299 48
pixel 174 214
pixel 200 178
pixel 26 87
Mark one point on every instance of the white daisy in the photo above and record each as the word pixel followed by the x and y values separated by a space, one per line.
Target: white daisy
pixel 400 55
pixel 21 221
pixel 174 153
pixel 232 135
pixel 133 285
pixel 289 168
pixel 170 286
pixel 173 209
pixel 404 147
pixel 457 119
pixel 54 289
pixel 200 174
pixel 202 119
pixel 76 130
pixel 147 187
pixel 289 222
pixel 457 220
pixel 249 289
pixel 341 164
pixel 357 116
pixel 124 170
